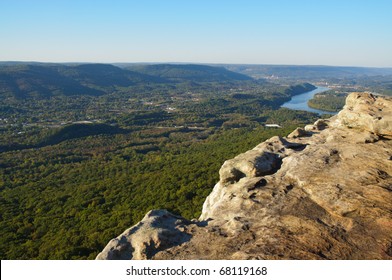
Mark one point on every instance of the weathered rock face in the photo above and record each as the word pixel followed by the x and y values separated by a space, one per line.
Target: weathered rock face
pixel 366 111
pixel 323 193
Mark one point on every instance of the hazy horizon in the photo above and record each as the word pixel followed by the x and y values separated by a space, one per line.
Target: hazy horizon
pixel 184 62
pixel 315 33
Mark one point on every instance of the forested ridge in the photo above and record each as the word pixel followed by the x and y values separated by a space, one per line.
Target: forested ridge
pixel 47 80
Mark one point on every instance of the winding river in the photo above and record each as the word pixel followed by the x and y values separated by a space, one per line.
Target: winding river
pixel 300 101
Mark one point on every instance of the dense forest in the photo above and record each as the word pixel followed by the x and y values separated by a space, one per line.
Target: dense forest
pixel 80 193
pixel 87 150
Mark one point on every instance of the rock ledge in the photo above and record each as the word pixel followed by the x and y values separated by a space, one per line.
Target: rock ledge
pixel 325 192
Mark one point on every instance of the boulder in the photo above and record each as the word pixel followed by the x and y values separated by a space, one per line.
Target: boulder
pixel 367 112
pixel 158 231
pixel 298 132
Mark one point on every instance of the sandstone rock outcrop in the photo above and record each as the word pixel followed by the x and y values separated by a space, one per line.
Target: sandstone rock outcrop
pixel 368 112
pixel 158 230
pixel 324 194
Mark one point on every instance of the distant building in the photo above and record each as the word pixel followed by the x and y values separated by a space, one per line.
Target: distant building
pixel 273 126
pixel 82 122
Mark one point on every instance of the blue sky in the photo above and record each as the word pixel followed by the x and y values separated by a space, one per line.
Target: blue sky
pixel 318 32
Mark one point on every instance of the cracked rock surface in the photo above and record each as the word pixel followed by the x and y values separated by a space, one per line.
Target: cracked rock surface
pixel 325 192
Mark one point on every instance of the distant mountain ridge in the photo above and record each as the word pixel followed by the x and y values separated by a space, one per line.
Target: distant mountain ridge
pixel 306 71
pixel 24 79
pixel 44 80
pixel 186 72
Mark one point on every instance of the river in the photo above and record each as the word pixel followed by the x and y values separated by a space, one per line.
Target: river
pixel 300 101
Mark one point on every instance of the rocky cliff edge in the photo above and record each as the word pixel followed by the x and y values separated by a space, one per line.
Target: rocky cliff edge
pixel 323 192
